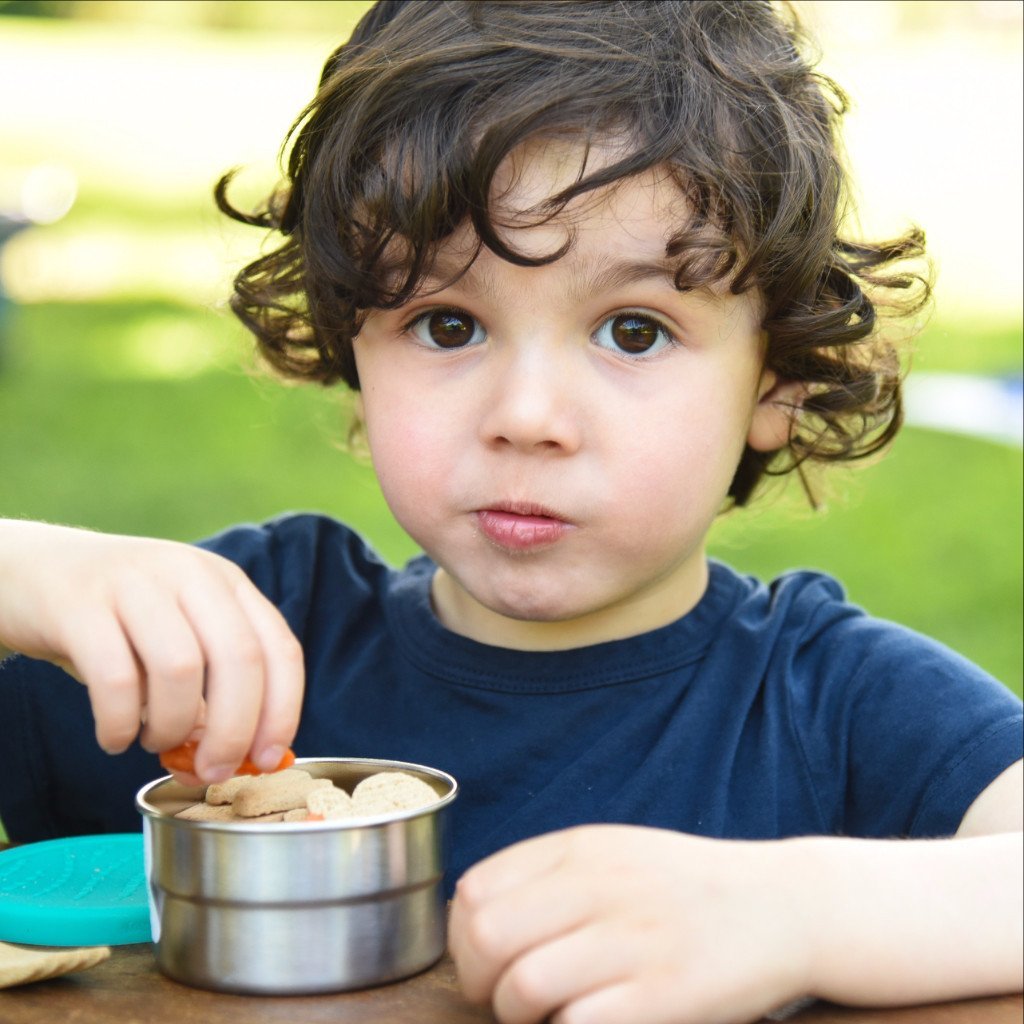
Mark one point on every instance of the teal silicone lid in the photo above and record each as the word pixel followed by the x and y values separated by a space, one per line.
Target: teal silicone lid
pixel 82 891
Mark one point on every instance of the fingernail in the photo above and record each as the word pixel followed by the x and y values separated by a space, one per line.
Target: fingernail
pixel 269 758
pixel 218 772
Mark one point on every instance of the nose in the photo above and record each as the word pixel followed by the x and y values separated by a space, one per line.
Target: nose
pixel 533 403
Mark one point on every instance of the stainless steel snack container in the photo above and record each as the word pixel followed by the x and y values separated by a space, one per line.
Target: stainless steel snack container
pixel 297 907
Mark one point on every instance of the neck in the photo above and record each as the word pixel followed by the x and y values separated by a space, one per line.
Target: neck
pixel 662 601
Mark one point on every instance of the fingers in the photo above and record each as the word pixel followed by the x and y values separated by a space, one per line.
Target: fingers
pixel 508 904
pixel 616 1002
pixel 567 923
pixel 472 938
pixel 235 675
pixel 283 679
pixel 254 673
pixel 154 628
pixel 503 942
pixel 581 968
pixel 171 658
pixel 514 866
pixel 171 638
pixel 104 660
pixel 631 924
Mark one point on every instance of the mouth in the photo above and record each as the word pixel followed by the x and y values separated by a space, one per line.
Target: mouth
pixel 522 526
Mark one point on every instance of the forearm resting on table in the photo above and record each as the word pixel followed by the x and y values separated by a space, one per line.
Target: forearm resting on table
pixel 918 920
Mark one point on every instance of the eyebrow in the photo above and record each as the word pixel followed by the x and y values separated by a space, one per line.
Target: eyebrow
pixel 605 273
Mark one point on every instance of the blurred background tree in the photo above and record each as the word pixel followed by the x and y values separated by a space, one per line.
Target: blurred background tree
pixel 129 399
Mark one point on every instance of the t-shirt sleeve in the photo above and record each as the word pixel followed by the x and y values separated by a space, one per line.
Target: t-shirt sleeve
pixel 939 732
pixel 902 733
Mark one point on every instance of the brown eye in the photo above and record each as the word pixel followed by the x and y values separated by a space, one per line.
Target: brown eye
pixel 447 328
pixel 632 333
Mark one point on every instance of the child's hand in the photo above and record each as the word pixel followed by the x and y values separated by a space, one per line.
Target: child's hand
pixel 604 924
pixel 165 636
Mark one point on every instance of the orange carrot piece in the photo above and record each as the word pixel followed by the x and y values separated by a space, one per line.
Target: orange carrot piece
pixel 182 759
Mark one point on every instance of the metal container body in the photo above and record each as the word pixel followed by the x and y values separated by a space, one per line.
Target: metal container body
pixel 290 908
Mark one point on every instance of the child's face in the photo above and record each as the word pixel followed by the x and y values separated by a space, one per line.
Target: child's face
pixel 560 438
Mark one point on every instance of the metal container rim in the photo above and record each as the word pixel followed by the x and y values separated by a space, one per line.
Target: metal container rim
pixel 149 810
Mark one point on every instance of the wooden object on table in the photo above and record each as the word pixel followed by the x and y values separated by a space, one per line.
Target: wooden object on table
pixel 128 989
pixel 23 965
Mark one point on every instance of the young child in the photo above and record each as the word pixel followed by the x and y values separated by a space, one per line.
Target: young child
pixel 582 264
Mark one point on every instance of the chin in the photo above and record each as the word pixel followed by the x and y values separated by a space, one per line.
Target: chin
pixel 531 606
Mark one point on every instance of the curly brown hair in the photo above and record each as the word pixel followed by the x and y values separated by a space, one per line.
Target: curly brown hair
pixel 417 111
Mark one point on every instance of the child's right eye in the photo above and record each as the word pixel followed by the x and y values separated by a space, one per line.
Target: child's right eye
pixel 447 328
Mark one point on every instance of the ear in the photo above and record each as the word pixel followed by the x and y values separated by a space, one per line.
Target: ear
pixel 778 403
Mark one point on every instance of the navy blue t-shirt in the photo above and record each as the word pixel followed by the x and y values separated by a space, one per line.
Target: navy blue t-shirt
pixel 767 711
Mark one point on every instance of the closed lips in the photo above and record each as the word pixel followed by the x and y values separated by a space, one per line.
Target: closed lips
pixel 520 530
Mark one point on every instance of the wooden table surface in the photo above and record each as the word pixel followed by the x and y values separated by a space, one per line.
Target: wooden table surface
pixel 128 989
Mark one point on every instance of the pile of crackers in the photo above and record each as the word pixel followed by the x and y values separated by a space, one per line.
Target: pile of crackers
pixel 294 795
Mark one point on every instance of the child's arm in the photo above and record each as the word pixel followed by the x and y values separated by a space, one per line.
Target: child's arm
pixel 161 634
pixel 613 923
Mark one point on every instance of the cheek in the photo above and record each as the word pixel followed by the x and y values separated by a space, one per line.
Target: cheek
pixel 684 461
pixel 407 455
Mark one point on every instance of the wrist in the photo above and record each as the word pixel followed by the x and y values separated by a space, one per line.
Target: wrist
pixel 898 921
pixel 860 928
pixel 822 875
pixel 803 875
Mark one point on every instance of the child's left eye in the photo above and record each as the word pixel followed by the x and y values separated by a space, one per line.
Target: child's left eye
pixel 447 328
pixel 635 334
